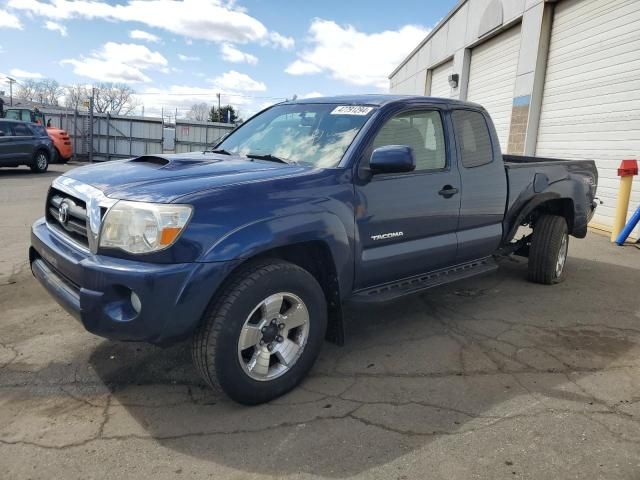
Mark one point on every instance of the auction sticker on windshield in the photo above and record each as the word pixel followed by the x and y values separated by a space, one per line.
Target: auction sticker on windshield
pixel 351 110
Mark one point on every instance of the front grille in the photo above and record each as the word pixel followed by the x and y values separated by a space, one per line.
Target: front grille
pixel 72 221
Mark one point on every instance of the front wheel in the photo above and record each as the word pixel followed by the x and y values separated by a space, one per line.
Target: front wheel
pixel 548 251
pixel 40 162
pixel 263 333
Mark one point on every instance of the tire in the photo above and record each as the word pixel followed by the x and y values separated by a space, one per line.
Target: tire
pixel 548 251
pixel 40 162
pixel 235 317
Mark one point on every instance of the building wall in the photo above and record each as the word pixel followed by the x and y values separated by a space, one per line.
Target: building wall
pixel 472 23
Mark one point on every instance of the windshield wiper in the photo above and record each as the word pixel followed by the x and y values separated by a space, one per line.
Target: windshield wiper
pixel 220 150
pixel 268 157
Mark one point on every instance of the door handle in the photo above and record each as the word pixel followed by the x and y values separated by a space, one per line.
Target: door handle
pixel 448 191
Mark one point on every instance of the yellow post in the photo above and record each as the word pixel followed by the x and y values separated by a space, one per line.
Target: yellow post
pixel 628 168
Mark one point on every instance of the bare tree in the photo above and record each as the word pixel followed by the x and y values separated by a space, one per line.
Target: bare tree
pixel 76 95
pixel 198 112
pixel 115 98
pixel 28 90
pixel 50 91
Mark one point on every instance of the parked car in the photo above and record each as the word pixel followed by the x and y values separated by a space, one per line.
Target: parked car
pixel 252 249
pixel 63 150
pixel 24 143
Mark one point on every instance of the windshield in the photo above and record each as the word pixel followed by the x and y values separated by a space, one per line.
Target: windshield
pixel 317 134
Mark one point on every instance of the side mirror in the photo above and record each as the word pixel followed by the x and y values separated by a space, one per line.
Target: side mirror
pixel 392 159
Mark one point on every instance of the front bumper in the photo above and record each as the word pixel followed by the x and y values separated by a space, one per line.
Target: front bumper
pixel 96 289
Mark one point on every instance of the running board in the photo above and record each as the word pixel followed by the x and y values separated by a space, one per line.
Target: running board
pixel 408 286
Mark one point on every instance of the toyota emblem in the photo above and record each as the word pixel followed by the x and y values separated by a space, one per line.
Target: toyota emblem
pixel 63 213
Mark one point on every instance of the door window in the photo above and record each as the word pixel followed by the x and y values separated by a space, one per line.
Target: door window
pixel 5 128
pixel 422 131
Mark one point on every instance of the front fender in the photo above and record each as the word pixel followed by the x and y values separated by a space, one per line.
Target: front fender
pixel 260 236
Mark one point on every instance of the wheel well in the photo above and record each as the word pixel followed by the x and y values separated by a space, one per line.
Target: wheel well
pixel 315 257
pixel 562 207
pixel 42 150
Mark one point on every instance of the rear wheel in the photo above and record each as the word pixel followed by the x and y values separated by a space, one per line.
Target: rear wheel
pixel 40 162
pixel 261 336
pixel 548 251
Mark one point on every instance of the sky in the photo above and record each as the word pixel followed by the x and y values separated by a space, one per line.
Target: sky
pixel 175 53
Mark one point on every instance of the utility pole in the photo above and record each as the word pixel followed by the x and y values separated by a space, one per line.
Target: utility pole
pixel 11 82
pixel 218 95
pixel 93 94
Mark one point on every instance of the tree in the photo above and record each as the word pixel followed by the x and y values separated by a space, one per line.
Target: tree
pixel 114 98
pixel 226 114
pixel 46 91
pixel 28 90
pixel 198 112
pixel 76 95
pixel 50 91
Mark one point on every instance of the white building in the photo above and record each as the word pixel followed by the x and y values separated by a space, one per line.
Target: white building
pixel 560 79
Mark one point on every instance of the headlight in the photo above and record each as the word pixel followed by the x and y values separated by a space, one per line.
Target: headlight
pixel 138 227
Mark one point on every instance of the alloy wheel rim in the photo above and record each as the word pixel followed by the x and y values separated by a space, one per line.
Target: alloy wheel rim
pixel 562 256
pixel 42 161
pixel 273 336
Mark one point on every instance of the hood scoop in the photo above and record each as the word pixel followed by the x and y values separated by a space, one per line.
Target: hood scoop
pixel 150 159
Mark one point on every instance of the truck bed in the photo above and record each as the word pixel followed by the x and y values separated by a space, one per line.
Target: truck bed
pixel 516 161
pixel 532 178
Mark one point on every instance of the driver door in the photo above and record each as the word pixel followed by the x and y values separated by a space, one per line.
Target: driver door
pixel 407 222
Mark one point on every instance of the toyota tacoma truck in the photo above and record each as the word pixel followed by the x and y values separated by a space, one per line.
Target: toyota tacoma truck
pixel 251 249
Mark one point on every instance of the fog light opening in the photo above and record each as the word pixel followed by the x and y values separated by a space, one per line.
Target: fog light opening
pixel 135 302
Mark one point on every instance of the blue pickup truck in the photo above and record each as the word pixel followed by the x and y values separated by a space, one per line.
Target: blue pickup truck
pixel 252 249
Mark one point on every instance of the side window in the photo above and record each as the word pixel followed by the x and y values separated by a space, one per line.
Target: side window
pixel 5 128
pixel 473 137
pixel 21 130
pixel 422 131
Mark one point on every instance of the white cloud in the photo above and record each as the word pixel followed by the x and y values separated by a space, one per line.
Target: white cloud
pixel 233 55
pixel 142 35
pixel 281 41
pixel 214 20
pixel 56 27
pixel 187 58
pixel 233 80
pixel 119 62
pixel 358 58
pixel 300 67
pixel 9 20
pixel 16 72
pixel 312 95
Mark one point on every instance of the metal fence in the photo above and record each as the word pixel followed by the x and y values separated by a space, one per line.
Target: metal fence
pixel 102 137
pixel 198 136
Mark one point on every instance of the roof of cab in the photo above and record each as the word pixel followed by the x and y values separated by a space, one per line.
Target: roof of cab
pixel 376 100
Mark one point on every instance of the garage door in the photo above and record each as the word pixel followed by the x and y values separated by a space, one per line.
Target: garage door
pixel 440 80
pixel 591 103
pixel 492 78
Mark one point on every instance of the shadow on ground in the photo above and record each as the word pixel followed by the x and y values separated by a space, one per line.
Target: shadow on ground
pixel 475 356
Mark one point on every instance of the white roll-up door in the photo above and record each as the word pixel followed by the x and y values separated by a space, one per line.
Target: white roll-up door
pixel 492 78
pixel 440 80
pixel 591 102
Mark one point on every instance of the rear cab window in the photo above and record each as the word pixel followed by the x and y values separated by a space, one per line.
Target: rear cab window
pixel 21 130
pixel 474 139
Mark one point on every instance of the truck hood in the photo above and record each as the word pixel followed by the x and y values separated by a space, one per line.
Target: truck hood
pixel 166 178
